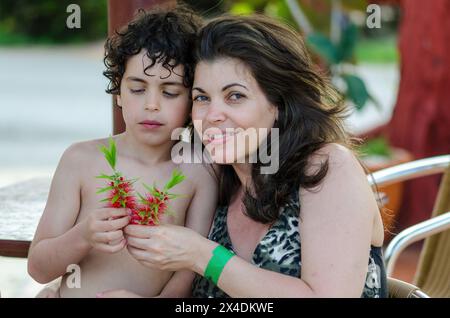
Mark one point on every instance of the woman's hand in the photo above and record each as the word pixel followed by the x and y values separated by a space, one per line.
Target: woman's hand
pixel 167 247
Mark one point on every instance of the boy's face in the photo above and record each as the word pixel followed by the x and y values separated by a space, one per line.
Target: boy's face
pixel 153 105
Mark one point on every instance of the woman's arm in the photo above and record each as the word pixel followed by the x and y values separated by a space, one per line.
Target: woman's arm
pixel 198 218
pixel 336 231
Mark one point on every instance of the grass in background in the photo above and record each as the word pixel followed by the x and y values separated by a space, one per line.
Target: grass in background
pixel 377 50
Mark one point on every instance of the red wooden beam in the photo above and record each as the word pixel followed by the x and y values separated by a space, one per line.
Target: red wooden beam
pixel 10 248
pixel 120 13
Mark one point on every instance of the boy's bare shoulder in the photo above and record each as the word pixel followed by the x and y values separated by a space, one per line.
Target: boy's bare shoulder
pixel 82 152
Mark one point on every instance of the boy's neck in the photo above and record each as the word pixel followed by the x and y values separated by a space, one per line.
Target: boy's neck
pixel 143 152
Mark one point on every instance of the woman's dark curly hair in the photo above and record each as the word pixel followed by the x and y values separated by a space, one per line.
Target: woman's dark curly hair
pixel 310 111
pixel 168 36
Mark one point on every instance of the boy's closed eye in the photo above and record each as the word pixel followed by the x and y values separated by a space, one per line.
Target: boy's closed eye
pixel 137 90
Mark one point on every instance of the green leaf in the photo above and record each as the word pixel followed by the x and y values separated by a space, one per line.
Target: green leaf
pixel 133 180
pixel 242 8
pixel 279 10
pixel 104 176
pixel 104 200
pixel 346 47
pixel 107 155
pixel 174 196
pixel 375 102
pixel 112 151
pixel 115 198
pixel 140 196
pixel 356 90
pixel 320 44
pixel 147 187
pixel 376 147
pixel 105 189
pixel 177 177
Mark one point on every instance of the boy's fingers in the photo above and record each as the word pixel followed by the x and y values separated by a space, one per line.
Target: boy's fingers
pixel 112 213
pixel 107 248
pixel 113 225
pixel 107 237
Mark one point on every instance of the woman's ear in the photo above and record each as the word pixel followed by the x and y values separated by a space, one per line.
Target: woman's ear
pixel 275 112
pixel 119 101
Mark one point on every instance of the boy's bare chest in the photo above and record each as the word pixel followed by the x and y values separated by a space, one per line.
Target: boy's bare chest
pixel 157 175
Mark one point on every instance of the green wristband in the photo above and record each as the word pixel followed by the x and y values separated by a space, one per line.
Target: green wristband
pixel 220 258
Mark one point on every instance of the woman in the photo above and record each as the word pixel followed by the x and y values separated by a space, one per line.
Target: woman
pixel 310 229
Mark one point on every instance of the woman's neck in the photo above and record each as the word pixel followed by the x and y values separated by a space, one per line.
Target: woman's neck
pixel 244 173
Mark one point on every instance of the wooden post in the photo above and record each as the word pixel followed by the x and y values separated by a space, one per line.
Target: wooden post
pixel 120 13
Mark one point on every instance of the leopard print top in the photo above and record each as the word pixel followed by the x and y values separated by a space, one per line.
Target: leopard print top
pixel 279 251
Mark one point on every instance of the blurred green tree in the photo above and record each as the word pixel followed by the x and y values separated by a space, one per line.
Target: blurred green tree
pixel 44 21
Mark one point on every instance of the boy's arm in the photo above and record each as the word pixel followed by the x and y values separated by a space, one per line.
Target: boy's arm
pixel 199 218
pixel 57 242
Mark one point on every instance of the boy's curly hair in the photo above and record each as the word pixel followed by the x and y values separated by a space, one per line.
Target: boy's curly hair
pixel 168 36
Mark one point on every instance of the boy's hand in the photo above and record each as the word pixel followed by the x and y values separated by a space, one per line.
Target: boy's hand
pixel 103 229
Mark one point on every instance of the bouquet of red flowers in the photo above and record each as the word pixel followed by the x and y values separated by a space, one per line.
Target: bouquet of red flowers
pixel 146 210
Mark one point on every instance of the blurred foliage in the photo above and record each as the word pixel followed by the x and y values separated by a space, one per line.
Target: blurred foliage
pixel 376 147
pixel 44 21
pixel 334 54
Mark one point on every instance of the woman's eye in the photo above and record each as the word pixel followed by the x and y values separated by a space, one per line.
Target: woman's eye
pixel 200 98
pixel 236 96
pixel 137 91
pixel 170 94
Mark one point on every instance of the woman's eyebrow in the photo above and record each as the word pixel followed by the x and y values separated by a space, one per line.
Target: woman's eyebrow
pixel 199 89
pixel 231 85
pixel 136 79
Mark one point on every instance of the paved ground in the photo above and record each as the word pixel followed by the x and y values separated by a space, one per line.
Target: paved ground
pixel 53 97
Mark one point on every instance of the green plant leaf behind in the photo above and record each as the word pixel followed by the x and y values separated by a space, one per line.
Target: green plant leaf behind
pixel 356 90
pixel 347 43
pixel 321 45
pixel 242 8
pixel 279 10
pixel 376 147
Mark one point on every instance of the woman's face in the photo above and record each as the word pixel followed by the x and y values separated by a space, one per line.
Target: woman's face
pixel 230 111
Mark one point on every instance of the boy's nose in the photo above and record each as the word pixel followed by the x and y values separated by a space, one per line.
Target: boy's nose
pixel 152 103
pixel 152 106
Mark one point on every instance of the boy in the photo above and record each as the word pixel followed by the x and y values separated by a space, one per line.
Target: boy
pixel 150 68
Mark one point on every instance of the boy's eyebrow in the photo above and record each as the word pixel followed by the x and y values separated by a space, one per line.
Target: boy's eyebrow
pixel 136 79
pixel 172 83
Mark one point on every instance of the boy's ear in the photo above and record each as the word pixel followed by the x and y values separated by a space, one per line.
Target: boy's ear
pixel 118 100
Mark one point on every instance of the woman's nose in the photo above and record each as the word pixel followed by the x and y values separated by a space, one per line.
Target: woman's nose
pixel 215 114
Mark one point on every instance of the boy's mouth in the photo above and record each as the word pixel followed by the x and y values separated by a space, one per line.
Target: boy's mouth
pixel 151 124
